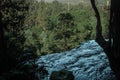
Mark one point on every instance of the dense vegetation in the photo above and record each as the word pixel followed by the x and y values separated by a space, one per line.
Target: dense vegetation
pixel 52 27
pixel 11 33
pixel 30 28
pixel 13 56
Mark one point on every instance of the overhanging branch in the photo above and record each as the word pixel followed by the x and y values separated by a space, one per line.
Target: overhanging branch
pixel 99 38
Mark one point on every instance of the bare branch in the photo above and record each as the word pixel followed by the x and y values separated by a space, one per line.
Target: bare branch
pixel 99 38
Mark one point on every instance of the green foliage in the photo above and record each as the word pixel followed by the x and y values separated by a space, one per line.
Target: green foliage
pixel 47 28
pixel 54 29
pixel 12 13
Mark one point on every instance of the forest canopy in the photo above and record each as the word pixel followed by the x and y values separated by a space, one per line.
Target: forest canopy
pixel 52 27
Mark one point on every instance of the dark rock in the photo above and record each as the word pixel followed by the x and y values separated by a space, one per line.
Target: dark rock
pixel 2 78
pixel 62 75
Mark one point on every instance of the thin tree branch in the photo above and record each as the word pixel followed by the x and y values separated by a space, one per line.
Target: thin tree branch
pixel 99 38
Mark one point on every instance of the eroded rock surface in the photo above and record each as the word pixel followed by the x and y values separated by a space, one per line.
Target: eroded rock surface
pixel 87 62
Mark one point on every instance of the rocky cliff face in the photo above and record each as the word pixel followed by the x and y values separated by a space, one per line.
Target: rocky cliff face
pixel 87 62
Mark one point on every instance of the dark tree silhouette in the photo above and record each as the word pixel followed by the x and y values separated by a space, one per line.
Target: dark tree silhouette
pixel 12 15
pixel 112 46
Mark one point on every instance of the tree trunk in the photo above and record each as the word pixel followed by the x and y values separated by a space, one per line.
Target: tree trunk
pixel 3 56
pixel 3 60
pixel 111 47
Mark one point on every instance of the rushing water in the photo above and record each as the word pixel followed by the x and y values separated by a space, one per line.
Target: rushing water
pixel 87 62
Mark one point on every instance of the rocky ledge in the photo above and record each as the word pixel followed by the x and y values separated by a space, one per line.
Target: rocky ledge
pixel 87 62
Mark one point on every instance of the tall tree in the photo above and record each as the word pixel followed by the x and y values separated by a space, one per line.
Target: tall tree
pixel 112 46
pixel 12 15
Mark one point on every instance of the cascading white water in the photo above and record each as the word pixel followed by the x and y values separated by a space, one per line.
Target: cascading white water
pixel 87 62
